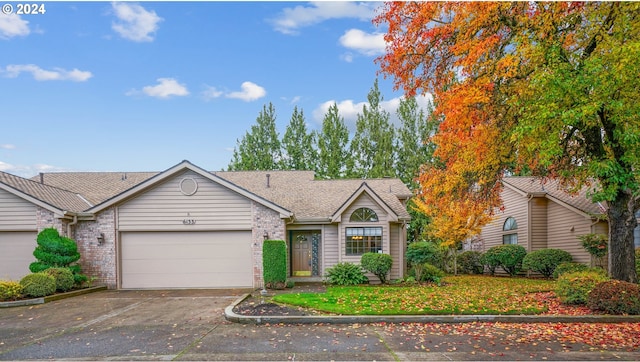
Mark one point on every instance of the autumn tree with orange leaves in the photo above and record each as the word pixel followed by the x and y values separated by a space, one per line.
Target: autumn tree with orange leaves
pixel 543 88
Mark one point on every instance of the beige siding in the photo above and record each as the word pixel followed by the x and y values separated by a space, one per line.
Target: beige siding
pixel 396 255
pixel 515 205
pixel 564 227
pixel 330 247
pixel 165 207
pixel 16 214
pixel 538 231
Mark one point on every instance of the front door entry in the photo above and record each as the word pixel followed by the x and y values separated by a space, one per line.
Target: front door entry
pixel 301 254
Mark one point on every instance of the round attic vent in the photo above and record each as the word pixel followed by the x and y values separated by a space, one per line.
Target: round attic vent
pixel 188 186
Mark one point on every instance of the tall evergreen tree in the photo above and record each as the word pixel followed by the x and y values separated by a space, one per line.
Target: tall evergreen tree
pixel 260 148
pixel 372 145
pixel 332 144
pixel 297 144
pixel 412 144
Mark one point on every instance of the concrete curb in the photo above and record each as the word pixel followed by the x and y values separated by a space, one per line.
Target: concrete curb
pixel 231 316
pixel 51 298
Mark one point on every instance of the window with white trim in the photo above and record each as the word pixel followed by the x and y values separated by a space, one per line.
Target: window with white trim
pixel 360 240
pixel 510 231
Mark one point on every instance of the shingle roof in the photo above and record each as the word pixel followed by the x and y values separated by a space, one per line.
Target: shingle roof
pixel 296 191
pixel 59 198
pixel 308 198
pixel 96 187
pixel 553 189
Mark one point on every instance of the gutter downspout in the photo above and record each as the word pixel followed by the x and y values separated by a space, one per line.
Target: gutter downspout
pixel 69 225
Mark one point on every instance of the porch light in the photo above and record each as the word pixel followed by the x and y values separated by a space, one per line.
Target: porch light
pixel 265 235
pixel 101 239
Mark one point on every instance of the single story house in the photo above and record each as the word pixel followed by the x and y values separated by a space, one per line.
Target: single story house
pixel 539 214
pixel 190 228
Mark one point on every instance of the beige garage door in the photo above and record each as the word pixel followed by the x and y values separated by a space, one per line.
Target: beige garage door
pixel 16 253
pixel 159 260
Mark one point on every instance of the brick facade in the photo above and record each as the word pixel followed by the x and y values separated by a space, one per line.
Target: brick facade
pixel 99 257
pixel 264 220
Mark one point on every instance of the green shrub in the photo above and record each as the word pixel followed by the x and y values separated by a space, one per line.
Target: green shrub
pixel 432 273
pixel 346 274
pixel 615 297
pixel 10 290
pixel 490 261
pixel 274 263
pixel 508 257
pixel 64 278
pixel 545 261
pixel 470 262
pixel 55 251
pixel 421 252
pixel 38 285
pixel 573 288
pixel 378 264
pixel 569 267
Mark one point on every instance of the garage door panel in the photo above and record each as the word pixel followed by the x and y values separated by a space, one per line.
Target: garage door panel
pixel 16 253
pixel 217 259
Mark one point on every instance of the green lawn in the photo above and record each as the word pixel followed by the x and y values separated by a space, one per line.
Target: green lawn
pixel 458 295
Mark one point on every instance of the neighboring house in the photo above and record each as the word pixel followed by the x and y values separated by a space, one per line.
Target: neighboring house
pixel 540 215
pixel 190 228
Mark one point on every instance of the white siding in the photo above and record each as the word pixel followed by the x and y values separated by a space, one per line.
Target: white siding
pixel 165 207
pixel 16 214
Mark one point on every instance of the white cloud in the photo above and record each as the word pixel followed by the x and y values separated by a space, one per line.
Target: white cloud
pixel 166 88
pixel 135 22
pixel 39 74
pixel 28 171
pixel 211 93
pixel 292 19
pixel 249 92
pixel 8 146
pixel 364 43
pixel 349 110
pixel 13 25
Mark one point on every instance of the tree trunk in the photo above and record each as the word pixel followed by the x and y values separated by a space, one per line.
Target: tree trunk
pixel 622 221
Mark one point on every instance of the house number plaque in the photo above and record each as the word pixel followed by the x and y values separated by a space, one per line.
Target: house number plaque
pixel 189 221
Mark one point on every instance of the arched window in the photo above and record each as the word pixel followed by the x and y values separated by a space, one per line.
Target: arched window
pixel 510 235
pixel 364 214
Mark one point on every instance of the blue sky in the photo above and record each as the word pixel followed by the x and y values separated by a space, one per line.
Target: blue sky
pixel 141 86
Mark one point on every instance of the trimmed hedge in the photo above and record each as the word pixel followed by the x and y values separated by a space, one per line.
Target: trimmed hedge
pixel 615 297
pixel 274 264
pixel 10 290
pixel 346 274
pixel 55 251
pixel 509 257
pixel 432 274
pixel 64 278
pixel 38 285
pixel 545 261
pixel 377 264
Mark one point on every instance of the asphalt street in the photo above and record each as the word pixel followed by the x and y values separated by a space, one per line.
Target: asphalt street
pixel 190 325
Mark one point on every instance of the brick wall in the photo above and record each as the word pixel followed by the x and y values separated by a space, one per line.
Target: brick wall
pixel 264 219
pixel 46 219
pixel 98 259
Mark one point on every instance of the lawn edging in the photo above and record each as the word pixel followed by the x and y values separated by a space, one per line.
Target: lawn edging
pixel 51 298
pixel 231 316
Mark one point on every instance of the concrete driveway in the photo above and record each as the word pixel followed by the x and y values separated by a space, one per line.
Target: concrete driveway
pixel 190 325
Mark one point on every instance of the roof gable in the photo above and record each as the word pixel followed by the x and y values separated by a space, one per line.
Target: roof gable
pixel 363 189
pixel 175 170
pixel 552 190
